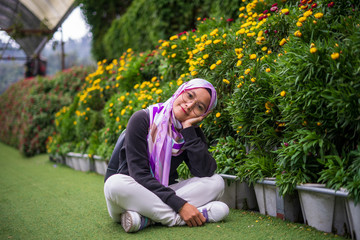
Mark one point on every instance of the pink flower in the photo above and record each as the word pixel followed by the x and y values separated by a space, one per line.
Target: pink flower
pixel 273 9
pixel 286 144
pixel 275 4
pixel 266 11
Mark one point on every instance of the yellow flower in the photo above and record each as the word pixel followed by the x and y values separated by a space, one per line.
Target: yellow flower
pixel 283 93
pixel 193 73
pixel 217 41
pixel 247 71
pixel 213 66
pixel 224 35
pixel 122 112
pixel 75 122
pixel 241 9
pixel 238 63
pixel 208 42
pixel 297 33
pixel 174 37
pixel 313 50
pixel 268 70
pixel 252 56
pixel 226 81
pixel 183 38
pixel 299 24
pixel 318 15
pixel 302 19
pixel 117 119
pixel 285 10
pixel 174 46
pixel 218 62
pixel 282 42
pixel 159 91
pixel 205 56
pixel 173 55
pixel 319 123
pixel 335 56
pixel 218 114
pixel 253 80
pixel 241 31
pixel 264 49
pixel 111 104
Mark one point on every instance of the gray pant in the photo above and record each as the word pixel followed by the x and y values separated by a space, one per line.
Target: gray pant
pixel 123 193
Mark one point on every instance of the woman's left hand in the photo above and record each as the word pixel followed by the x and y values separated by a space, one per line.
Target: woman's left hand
pixel 192 121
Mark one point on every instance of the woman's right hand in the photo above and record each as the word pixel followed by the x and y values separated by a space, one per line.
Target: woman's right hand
pixel 191 215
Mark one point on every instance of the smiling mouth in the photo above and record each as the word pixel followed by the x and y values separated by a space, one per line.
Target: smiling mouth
pixel 183 110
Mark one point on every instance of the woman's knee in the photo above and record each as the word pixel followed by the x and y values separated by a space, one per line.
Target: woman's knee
pixel 217 183
pixel 116 185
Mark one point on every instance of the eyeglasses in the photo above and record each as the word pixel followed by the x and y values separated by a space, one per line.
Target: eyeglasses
pixel 189 97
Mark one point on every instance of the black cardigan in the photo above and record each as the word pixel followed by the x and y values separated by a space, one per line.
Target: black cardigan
pixel 195 155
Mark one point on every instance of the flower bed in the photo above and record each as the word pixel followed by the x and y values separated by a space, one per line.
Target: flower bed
pixel 287 78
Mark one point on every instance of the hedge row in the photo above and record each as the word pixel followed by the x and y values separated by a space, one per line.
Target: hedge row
pixel 27 108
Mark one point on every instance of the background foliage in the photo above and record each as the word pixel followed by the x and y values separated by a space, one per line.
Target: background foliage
pixel 27 108
pixel 287 76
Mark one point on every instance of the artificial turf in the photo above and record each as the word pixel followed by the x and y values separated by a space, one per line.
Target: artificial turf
pixel 42 200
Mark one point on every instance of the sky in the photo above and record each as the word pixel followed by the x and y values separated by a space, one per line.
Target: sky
pixel 73 27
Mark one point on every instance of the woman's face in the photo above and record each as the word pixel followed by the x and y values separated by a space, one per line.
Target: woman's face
pixel 191 103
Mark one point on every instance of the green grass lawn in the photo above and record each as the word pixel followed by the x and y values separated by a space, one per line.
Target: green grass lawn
pixel 41 200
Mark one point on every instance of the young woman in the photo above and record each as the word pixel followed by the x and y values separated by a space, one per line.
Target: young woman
pixel 158 139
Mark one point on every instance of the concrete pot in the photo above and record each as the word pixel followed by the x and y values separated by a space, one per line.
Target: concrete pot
pixel 272 203
pixel 100 165
pixel 69 161
pixel 238 195
pixel 317 207
pixel 353 212
pixel 84 163
pixel 266 198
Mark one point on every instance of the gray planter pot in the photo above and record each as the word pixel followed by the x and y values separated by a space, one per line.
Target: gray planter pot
pixel 238 195
pixel 324 209
pixel 272 203
pixel 100 165
pixel 80 162
pixel 69 161
pixel 353 213
pixel 85 163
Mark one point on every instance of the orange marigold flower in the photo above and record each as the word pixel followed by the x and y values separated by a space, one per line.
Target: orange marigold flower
pixel 335 56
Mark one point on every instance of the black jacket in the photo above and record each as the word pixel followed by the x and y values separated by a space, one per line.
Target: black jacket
pixel 135 152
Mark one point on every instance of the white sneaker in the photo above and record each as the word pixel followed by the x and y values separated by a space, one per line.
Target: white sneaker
pixel 214 211
pixel 132 221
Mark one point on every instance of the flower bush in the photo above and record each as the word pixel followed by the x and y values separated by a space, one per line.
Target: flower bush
pixel 287 76
pixel 27 108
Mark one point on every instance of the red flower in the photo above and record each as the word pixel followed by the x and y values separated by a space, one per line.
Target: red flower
pixel 266 11
pixel 275 4
pixel 314 5
pixel 229 20
pixel 331 4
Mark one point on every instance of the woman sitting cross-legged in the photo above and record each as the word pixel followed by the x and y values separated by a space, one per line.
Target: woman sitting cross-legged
pixel 143 190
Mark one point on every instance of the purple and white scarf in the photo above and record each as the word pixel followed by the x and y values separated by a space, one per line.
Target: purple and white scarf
pixel 164 140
